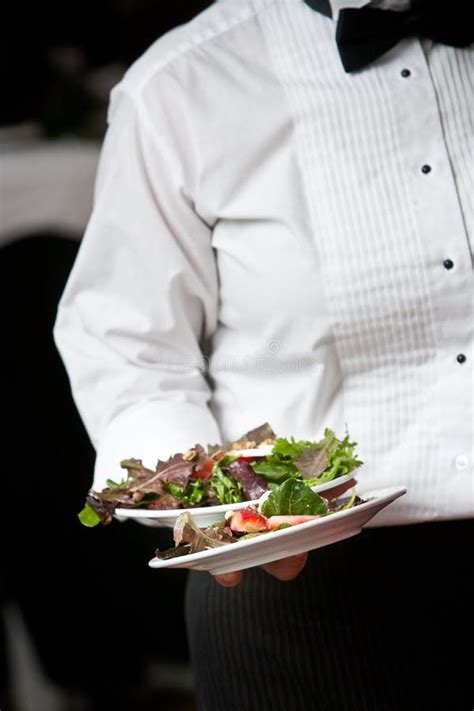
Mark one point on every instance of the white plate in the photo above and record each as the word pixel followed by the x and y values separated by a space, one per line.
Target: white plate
pixel 207 515
pixel 289 541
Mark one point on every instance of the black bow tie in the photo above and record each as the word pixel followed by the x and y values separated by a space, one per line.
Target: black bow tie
pixel 362 35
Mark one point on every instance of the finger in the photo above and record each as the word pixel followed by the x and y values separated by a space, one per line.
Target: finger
pixel 287 568
pixel 229 580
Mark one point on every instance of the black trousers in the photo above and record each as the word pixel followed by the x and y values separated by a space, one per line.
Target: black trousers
pixel 379 622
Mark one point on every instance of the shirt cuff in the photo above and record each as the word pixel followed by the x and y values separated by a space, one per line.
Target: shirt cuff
pixel 152 431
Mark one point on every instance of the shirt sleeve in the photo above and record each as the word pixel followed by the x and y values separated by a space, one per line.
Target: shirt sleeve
pixel 142 294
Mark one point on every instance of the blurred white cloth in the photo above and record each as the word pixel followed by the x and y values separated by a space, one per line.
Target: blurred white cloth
pixel 45 185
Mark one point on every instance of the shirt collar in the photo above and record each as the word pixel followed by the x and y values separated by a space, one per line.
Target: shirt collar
pixel 337 5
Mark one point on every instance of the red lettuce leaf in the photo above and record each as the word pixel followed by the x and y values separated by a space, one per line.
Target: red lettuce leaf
pixel 252 438
pixel 312 462
pixel 253 485
pixel 103 509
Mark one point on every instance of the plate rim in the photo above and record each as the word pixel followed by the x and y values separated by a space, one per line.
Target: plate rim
pixel 392 493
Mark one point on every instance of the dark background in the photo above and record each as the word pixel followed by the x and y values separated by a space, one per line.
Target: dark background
pixel 102 31
pixel 98 617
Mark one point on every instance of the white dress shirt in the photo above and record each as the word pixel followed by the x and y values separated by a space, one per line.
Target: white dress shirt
pixel 256 203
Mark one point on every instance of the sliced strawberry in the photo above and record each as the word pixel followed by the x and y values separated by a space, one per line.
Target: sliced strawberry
pixel 274 522
pixel 203 469
pixel 248 521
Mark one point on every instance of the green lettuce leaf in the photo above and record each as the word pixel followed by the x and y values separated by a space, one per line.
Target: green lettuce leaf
pixel 274 470
pixel 88 517
pixel 223 485
pixel 341 458
pixel 118 485
pixel 293 497
pixel 193 494
pixel 351 501
pixel 292 448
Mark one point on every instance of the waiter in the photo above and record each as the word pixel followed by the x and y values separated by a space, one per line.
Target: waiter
pixel 289 183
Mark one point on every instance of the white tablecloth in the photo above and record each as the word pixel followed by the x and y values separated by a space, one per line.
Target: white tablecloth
pixel 45 186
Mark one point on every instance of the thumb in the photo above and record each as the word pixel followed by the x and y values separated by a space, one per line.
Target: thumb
pixel 287 568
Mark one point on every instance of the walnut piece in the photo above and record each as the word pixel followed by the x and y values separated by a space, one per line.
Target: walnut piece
pixel 217 456
pixel 267 441
pixel 244 445
pixel 190 455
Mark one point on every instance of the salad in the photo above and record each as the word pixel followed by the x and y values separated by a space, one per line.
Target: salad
pixel 228 473
pixel 289 504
